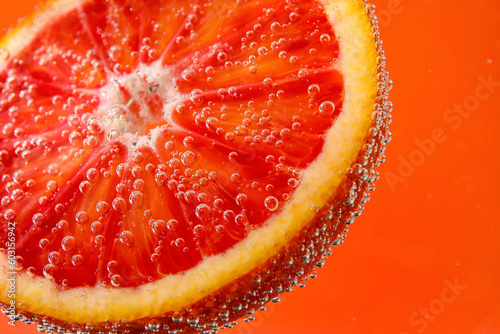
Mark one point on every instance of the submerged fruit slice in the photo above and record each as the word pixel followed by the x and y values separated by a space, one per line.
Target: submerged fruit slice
pixel 177 164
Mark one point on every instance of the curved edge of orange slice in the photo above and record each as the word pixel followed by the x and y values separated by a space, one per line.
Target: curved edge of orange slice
pixel 353 147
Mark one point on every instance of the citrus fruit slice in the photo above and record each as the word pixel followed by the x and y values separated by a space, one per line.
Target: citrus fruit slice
pixel 174 165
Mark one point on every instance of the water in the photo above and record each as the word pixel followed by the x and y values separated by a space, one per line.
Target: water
pixel 181 161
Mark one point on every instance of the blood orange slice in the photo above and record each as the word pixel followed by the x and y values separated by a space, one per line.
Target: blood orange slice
pixel 174 165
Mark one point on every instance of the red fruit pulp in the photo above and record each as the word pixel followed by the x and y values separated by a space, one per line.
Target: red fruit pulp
pixel 139 137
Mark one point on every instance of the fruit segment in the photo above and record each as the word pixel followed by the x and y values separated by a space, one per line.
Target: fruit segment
pixel 138 137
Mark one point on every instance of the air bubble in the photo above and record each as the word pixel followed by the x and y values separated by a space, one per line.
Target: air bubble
pixel 55 258
pixel 119 204
pixel 121 188
pixel 95 125
pixel 137 157
pixel 74 137
pixel 44 244
pixel 241 130
pixel 53 169
pixel 303 74
pixel 188 158
pixel 116 281
pixel 222 56
pixel 188 141
pixel 77 260
pixel 68 243
pixel 174 163
pixel 193 320
pixel 102 207
pixel 73 120
pixel 180 243
pixel 136 199
pixel 139 183
pixel 229 216
pixel 18 177
pixel 159 227
pixel 127 238
pixel 48 271
pixel 313 90
pixel 275 26
pixel 203 212
pixel 99 240
pixel 232 91
pixel 31 271
pixel 177 317
pixel 9 215
pixel 236 178
pixel 82 217
pixel 123 170
pixel 188 74
pixel 198 230
pixel 96 227
pixel 115 52
pixel 52 186
pixel 241 199
pixel 212 176
pixel 160 178
pixel 172 225
pixel 91 174
pixel 38 219
pixel 211 123
pixel 155 257
pixel 17 195
pixel 324 38
pixel 292 182
pixel 152 325
pixel 271 203
pixel 111 266
pixel 6 201
pixel 8 129
pixel 114 136
pixel 62 224
pixel 270 12
pixel 326 109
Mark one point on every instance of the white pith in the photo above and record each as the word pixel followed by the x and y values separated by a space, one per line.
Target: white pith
pixel 343 142
pixel 146 82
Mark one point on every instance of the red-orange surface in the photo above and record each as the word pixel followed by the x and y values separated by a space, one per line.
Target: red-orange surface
pixel 424 257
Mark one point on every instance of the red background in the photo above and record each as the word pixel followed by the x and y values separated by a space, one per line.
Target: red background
pixel 432 222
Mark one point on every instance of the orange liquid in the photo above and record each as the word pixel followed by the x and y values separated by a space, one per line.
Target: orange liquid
pixel 423 258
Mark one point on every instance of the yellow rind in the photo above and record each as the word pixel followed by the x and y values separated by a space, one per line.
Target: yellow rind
pixel 358 64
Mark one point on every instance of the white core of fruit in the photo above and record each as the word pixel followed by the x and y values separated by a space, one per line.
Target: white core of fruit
pixel 126 103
